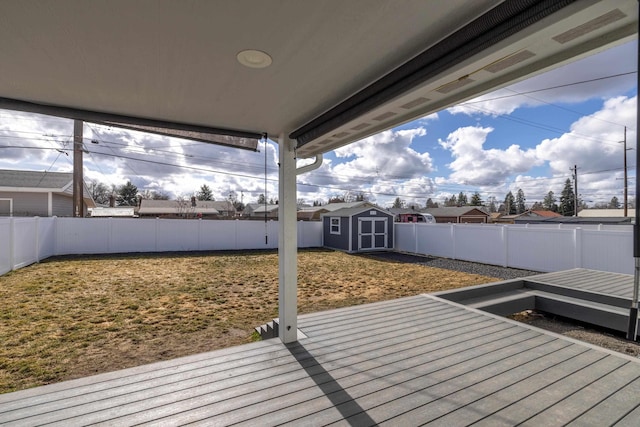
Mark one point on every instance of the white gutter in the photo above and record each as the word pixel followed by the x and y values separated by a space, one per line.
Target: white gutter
pixel 313 166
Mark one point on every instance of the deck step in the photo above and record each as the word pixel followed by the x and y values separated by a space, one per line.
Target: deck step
pixel 593 312
pixel 268 330
pixel 503 303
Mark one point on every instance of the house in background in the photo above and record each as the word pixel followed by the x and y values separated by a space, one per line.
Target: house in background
pixel 115 212
pixel 34 193
pixel 531 216
pixel 177 209
pixel 313 213
pixel 463 214
pixel 270 210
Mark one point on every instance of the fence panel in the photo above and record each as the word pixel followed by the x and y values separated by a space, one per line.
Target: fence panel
pixel 404 237
pixel 46 237
pixel 436 240
pixel 540 249
pixel 309 234
pixel 608 251
pixel 77 236
pixel 479 243
pixel 25 242
pixel 6 246
pixel 173 235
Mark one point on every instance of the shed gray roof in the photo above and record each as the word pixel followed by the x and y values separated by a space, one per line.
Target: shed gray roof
pixel 345 205
pixel 355 211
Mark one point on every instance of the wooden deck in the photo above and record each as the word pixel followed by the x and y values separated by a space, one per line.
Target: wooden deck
pixel 620 285
pixel 412 361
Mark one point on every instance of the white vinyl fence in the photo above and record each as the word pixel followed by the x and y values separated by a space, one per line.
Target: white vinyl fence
pixel 24 241
pixel 536 247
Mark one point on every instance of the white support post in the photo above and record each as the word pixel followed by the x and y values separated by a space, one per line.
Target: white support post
pixel 287 242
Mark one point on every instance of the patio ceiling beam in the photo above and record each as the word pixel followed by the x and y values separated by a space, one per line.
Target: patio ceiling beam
pixel 494 26
pixel 227 137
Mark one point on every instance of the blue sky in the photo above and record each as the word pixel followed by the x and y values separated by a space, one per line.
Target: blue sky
pixel 524 136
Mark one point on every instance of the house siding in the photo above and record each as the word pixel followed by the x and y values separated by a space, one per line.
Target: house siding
pixel 27 204
pixel 62 206
pixel 336 241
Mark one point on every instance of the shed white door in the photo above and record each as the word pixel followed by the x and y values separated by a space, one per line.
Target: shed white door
pixel 372 233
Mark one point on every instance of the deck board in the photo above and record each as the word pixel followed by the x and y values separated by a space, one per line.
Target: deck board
pixel 589 280
pixel 407 361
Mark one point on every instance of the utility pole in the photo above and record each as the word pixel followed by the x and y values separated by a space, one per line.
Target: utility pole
pixel 626 187
pixel 575 190
pixel 78 185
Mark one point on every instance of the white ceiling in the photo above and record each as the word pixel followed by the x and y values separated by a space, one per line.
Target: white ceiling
pixel 176 60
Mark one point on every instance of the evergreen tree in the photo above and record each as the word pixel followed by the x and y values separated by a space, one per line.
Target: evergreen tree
pixel 462 199
pixel 262 200
pixel 549 202
pixel 127 195
pixel 510 204
pixel 451 201
pixel 204 193
pixel 614 203
pixel 520 205
pixel 398 203
pixel 476 200
pixel 567 199
pixel 431 204
pixel 537 206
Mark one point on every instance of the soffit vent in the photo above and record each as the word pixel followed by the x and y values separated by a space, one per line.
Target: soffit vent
pixel 384 116
pixel 341 135
pixel 414 103
pixel 449 87
pixel 509 61
pixel 361 126
pixel 587 27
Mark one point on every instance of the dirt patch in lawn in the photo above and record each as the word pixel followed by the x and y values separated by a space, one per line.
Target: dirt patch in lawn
pixel 76 316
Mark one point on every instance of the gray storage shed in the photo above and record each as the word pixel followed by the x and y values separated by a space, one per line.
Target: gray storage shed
pixel 358 229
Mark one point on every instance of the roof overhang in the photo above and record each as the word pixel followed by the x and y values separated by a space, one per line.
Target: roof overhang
pixel 340 71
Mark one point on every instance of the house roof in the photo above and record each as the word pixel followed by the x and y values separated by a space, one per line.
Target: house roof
pixel 345 205
pixel 546 214
pixel 355 211
pixel 337 71
pixel 455 211
pixel 158 207
pixel 265 208
pixel 604 213
pixel 58 181
pixel 54 182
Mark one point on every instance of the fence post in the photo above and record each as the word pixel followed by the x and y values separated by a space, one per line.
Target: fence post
pixel 577 243
pixel 12 239
pixel 415 237
pixel 505 246
pixel 37 249
pixel 453 241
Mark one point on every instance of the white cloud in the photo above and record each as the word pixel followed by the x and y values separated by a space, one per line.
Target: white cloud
pixel 473 165
pixel 385 155
pixel 592 143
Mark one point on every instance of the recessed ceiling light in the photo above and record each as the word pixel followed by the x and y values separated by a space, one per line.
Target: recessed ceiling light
pixel 254 58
